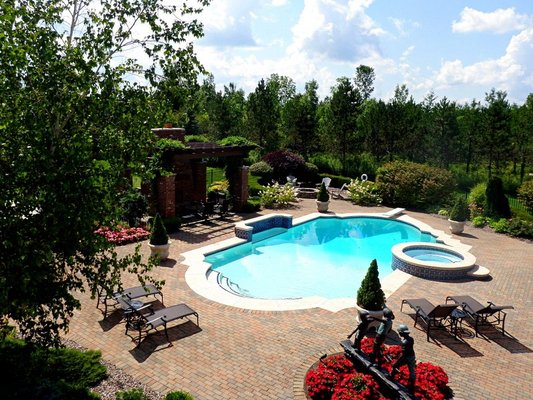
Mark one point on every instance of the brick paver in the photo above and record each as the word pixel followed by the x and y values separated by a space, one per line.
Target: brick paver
pixel 244 354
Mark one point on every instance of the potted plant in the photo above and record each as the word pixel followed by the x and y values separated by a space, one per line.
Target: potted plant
pixel 458 215
pixel 322 198
pixel 370 296
pixel 159 243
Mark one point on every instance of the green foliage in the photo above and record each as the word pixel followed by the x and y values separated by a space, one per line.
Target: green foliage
pixel 179 395
pixel 214 175
pixel 196 138
pixel 254 186
pixel 72 121
pixel 134 206
pixel 525 195
pixel 158 234
pixel 520 228
pixel 408 184
pixel 459 211
pixel 170 144
pixel 322 194
pixel 479 221
pixel 263 170
pixel 477 195
pixel 277 195
pixel 251 206
pixel 40 373
pixel 499 225
pixel 364 193
pixel 236 141
pixel 370 296
pixel 496 203
pixel 172 224
pixel 131 394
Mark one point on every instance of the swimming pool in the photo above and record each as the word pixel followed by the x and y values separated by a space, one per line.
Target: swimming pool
pixel 325 257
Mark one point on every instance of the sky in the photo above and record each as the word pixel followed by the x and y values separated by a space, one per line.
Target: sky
pixel 459 49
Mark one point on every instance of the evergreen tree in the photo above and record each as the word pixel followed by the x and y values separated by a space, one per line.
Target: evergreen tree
pixel 370 296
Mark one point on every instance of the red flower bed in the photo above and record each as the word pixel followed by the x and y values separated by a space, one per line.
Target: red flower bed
pixel 123 235
pixel 334 378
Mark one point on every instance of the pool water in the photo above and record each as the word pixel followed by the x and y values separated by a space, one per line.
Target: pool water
pixel 326 257
pixel 433 255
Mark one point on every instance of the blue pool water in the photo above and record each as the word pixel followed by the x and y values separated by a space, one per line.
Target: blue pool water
pixel 325 257
pixel 434 255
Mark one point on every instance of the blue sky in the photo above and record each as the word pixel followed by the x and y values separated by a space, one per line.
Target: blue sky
pixel 456 48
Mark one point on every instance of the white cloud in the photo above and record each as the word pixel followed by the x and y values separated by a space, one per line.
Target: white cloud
pixel 511 72
pixel 335 30
pixel 499 21
pixel 278 3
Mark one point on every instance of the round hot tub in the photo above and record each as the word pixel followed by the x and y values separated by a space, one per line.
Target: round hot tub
pixel 432 260
pixel 307 193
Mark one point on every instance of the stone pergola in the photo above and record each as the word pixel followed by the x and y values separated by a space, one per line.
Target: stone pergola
pixel 187 184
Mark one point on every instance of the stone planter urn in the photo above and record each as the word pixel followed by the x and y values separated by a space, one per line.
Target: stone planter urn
pixel 160 250
pixel 456 226
pixel 322 206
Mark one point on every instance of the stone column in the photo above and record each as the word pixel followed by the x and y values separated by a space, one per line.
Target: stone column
pixel 239 189
pixel 199 179
pixel 166 195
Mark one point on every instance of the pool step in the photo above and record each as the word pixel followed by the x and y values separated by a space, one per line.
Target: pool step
pixel 479 272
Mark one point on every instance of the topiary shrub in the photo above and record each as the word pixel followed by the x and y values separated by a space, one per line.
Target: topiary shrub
pixel 459 211
pixel 263 170
pixel 408 184
pixel 158 235
pixel 179 395
pixel 370 296
pixel 496 203
pixel 525 195
pixel 322 194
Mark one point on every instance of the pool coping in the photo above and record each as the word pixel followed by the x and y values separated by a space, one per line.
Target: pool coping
pixel 196 274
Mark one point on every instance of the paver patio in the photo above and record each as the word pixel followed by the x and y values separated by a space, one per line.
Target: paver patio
pixel 245 354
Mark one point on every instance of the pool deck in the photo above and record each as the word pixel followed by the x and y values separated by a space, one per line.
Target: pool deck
pixel 253 354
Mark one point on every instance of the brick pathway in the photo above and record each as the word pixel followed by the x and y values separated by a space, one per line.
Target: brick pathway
pixel 243 354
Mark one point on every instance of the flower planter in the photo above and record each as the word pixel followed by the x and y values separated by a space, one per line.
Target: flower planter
pixel 161 250
pixel 322 206
pixel 456 226
pixel 374 314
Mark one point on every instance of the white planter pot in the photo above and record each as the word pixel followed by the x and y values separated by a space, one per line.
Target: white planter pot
pixel 161 250
pixel 456 226
pixel 322 206
pixel 376 314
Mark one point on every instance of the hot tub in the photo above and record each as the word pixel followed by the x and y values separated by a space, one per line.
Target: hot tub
pixel 432 260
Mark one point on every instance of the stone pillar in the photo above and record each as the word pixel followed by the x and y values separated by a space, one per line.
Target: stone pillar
pixel 239 189
pixel 166 195
pixel 199 179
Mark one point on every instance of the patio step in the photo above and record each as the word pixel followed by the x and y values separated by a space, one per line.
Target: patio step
pixel 478 272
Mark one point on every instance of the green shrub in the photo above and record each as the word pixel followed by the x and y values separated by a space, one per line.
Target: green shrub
pixel 520 228
pixel 236 141
pixel 131 394
pixel 443 212
pixel 263 170
pixel 459 211
pixel 196 138
pixel 172 224
pixel 169 144
pixel 496 203
pixel 499 225
pixel 364 193
pixel 408 184
pixel 179 395
pixel 479 221
pixel 251 206
pixel 134 206
pixel 39 373
pixel 254 186
pixel 322 194
pixel 158 234
pixel 525 195
pixel 370 296
pixel 477 199
pixel 284 163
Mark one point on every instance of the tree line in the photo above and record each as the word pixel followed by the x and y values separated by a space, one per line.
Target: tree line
pixel 360 131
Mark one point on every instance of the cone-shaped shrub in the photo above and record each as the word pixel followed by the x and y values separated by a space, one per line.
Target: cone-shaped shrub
pixel 497 204
pixel 323 194
pixel 158 235
pixel 370 296
pixel 459 211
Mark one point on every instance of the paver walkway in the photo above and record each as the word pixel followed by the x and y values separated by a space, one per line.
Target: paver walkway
pixel 243 354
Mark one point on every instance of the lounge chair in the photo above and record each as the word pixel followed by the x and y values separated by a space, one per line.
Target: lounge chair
pixel 341 193
pixel 489 314
pixel 435 316
pixel 128 295
pixel 326 181
pixel 146 323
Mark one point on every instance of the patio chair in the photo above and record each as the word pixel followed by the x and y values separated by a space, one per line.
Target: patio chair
pixel 482 315
pixel 128 295
pixel 145 323
pixel 341 193
pixel 435 316
pixel 326 181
